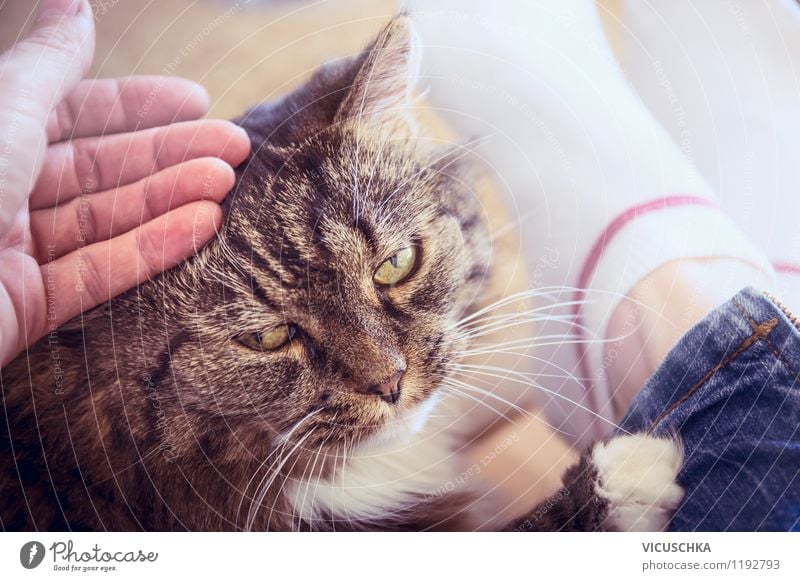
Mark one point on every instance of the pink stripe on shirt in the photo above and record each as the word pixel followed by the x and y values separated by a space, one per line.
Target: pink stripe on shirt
pixel 595 255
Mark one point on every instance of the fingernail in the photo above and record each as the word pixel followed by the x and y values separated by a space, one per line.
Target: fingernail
pixel 202 94
pixel 207 220
pixel 218 181
pixel 197 100
pixel 242 133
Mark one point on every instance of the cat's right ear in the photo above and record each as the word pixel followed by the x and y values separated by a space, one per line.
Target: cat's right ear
pixel 383 88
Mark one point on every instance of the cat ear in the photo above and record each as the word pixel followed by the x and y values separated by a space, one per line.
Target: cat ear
pixel 382 90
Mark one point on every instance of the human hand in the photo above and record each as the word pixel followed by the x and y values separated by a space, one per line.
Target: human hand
pixel 97 192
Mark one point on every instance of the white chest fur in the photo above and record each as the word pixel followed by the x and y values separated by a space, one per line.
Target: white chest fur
pixel 385 476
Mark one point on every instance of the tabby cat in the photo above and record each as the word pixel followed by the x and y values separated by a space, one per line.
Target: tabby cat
pixel 288 376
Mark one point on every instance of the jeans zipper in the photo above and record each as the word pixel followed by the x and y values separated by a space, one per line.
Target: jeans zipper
pixel 789 315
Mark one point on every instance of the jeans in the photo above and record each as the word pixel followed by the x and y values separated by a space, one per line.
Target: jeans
pixel 730 390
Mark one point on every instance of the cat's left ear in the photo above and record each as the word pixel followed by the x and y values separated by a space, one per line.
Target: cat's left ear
pixel 383 88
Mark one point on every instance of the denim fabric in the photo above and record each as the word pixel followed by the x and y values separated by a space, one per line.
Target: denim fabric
pixel 730 390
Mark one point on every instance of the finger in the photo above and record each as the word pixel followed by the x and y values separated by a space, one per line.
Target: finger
pixel 104 106
pixel 88 219
pixel 21 295
pixel 95 164
pixel 35 75
pixel 94 274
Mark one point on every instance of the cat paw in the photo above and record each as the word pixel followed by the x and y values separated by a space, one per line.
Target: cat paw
pixel 637 477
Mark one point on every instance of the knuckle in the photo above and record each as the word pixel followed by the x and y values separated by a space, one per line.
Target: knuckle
pixel 85 166
pixel 92 279
pixel 150 251
pixel 56 38
pixel 86 220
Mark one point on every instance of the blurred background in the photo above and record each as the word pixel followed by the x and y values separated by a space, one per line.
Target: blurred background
pixel 242 51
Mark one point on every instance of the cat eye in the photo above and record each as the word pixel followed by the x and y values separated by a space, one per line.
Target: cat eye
pixel 270 340
pixel 397 268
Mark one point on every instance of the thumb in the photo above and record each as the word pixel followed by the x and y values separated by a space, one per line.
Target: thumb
pixel 35 75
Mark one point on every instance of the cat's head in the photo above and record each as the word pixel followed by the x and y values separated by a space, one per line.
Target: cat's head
pixel 351 246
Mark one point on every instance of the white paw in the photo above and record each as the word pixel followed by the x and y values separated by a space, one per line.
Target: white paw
pixel 637 477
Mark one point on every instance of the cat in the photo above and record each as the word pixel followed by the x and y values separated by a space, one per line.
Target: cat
pixel 287 377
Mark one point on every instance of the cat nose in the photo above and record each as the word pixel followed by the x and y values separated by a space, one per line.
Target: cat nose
pixel 388 390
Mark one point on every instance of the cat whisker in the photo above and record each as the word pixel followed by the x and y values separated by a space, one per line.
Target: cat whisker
pixel 458 383
pixel 279 450
pixel 576 329
pixel 282 459
pixel 500 373
pixel 538 292
pixel 453 390
pixel 524 412
pixel 497 372
pixel 552 293
pixel 279 494
pixel 500 326
pixel 264 488
pixel 343 479
pixel 531 383
pixel 311 476
pixel 316 488
pixel 546 363
pixel 548 312
pixel 284 439
pixel 498 323
pixel 292 505
pixel 535 315
pixel 530 344
pixel 542 314
pixel 480 347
